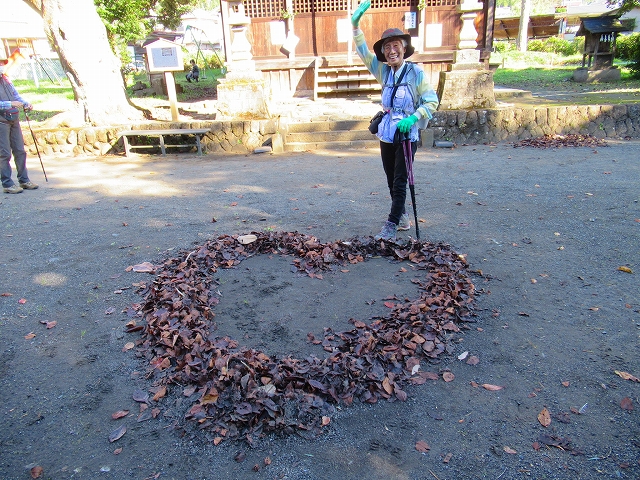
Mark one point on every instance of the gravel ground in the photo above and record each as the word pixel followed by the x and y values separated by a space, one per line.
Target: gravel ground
pixel 545 232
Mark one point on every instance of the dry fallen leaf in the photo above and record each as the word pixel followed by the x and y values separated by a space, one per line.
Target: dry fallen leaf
pixel 22 301
pixel 544 417
pixel 29 336
pixel 509 450
pixel 325 420
pixel 493 388
pixel 565 384
pixel 447 457
pixel 463 355
pixel 626 404
pixel 144 267
pixel 117 433
pixel 247 239
pixel 448 376
pixel 422 446
pixel 128 346
pixel 473 360
pixel 162 391
pixel 36 472
pixel 117 451
pixel 625 375
pixel 119 414
pixel 625 269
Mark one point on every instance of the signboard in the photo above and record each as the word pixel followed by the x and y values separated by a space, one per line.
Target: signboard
pixel 410 20
pixel 164 56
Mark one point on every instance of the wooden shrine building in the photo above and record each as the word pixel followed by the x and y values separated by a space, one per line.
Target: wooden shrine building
pixel 305 47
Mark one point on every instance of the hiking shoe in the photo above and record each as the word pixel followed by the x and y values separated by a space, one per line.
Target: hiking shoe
pixel 404 224
pixel 12 189
pixel 29 185
pixel 388 232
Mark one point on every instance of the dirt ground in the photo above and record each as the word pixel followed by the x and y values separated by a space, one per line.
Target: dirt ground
pixel 545 232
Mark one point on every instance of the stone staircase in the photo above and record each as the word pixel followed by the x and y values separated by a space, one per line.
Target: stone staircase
pixel 329 135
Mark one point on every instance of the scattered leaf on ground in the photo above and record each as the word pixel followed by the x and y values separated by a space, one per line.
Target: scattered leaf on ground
pixel 625 269
pixel 626 404
pixel 448 376
pixel 36 472
pixel 119 414
pixel 422 446
pixel 509 450
pixel 117 433
pixel 493 388
pixel 473 360
pixel 144 267
pixel 128 346
pixel 544 417
pixel 626 376
pixel 117 451
pixel 29 336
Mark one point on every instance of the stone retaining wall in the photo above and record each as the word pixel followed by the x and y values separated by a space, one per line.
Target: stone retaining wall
pixel 458 126
pixel 513 124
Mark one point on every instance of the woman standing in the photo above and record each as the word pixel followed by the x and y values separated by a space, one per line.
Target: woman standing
pixel 409 103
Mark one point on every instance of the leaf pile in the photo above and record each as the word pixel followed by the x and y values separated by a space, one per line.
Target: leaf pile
pixel 559 141
pixel 238 391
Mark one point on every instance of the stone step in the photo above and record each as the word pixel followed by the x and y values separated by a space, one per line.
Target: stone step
pixel 325 126
pixel 328 136
pixel 334 145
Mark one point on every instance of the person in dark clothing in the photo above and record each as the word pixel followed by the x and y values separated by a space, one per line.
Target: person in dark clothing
pixel 194 74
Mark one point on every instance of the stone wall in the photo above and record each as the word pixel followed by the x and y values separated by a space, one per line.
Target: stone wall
pixel 513 124
pixel 458 126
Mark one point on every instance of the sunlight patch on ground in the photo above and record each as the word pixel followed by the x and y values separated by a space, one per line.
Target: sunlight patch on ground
pixel 50 279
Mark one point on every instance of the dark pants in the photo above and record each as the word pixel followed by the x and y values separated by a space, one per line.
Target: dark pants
pixel 396 172
pixel 11 141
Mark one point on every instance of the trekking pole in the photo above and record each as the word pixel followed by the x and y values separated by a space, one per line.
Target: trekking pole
pixel 35 141
pixel 408 161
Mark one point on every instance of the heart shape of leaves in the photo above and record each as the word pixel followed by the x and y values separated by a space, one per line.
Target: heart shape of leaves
pixel 238 391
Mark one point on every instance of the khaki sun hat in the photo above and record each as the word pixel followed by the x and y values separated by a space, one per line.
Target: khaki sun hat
pixel 389 34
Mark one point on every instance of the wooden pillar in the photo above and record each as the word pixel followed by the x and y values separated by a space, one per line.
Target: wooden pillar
pixel 226 31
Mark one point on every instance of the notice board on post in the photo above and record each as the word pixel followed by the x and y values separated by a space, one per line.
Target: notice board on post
pixel 164 56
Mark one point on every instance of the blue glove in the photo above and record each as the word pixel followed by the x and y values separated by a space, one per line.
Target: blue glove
pixel 405 124
pixel 357 15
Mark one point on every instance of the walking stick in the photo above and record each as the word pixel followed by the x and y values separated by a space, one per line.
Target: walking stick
pixel 408 161
pixel 35 143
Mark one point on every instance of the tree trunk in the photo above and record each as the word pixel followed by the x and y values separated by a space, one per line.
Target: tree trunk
pixel 523 30
pixel 80 40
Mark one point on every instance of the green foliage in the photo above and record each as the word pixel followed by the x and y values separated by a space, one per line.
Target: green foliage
pixel 557 45
pixel 624 5
pixel 502 46
pixel 127 21
pixel 628 48
pixel 206 59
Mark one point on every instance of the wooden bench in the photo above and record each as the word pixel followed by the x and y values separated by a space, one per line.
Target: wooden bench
pixel 196 132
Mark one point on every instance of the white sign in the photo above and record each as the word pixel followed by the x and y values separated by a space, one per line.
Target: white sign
pixel 344 28
pixel 410 19
pixel 433 34
pixel 164 56
pixel 278 33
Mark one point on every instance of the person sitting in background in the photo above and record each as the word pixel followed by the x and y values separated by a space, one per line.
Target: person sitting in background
pixel 194 74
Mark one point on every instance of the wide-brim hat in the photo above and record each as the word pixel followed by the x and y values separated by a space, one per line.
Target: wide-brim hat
pixel 393 33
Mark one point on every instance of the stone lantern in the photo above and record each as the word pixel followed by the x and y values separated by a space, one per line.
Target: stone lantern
pixel 467 83
pixel 241 94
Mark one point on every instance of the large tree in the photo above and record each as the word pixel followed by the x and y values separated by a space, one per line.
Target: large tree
pixel 79 37
pixel 80 40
